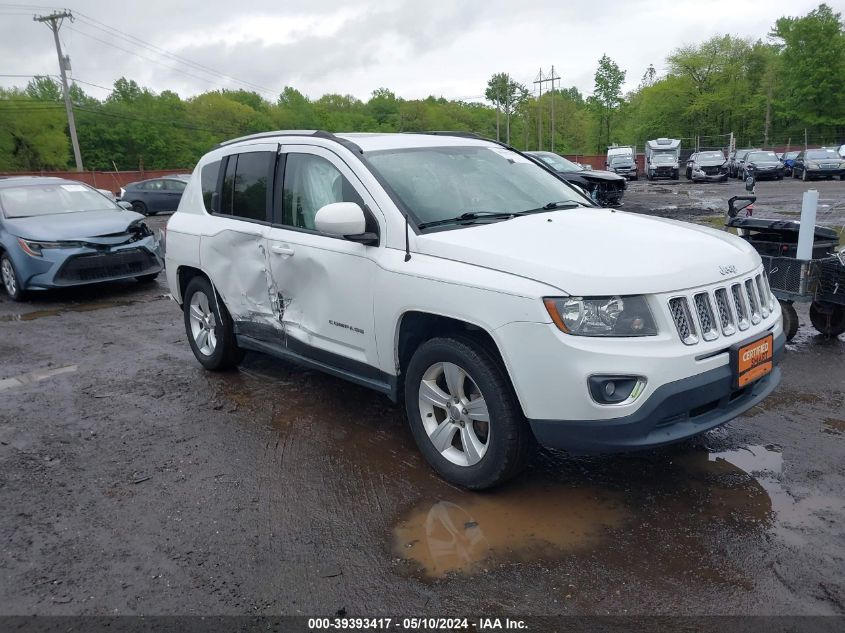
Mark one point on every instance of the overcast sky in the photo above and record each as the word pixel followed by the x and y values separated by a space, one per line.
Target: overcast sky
pixel 415 48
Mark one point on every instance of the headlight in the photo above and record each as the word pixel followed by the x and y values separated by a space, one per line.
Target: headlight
pixel 602 316
pixel 34 248
pixel 813 165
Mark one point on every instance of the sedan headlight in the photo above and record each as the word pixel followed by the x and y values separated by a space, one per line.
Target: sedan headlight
pixel 602 316
pixel 34 249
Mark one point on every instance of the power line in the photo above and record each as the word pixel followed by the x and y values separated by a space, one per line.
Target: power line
pixel 110 30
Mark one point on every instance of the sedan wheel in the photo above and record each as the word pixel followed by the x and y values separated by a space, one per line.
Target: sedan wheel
pixel 10 279
pixel 139 207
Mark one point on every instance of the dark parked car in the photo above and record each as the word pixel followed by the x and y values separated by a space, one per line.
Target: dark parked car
pixel 788 160
pixel 605 187
pixel 709 166
pixel 624 166
pixel 736 166
pixel 818 163
pixel 763 164
pixel 56 233
pixel 155 195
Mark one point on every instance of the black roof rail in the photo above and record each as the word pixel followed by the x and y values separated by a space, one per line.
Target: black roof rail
pixel 318 133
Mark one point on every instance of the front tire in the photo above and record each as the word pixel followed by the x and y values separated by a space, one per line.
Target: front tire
pixel 790 320
pixel 464 414
pixel 828 318
pixel 209 327
pixel 11 280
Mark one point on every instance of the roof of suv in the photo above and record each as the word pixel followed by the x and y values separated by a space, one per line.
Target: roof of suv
pixel 374 141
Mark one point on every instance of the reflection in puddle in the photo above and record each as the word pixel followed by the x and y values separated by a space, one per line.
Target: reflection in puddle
pixel 514 523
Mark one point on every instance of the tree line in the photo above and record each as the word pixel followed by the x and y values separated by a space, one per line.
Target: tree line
pixel 780 89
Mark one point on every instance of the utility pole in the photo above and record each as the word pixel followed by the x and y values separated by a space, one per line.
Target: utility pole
pixel 54 21
pixel 541 80
pixel 540 111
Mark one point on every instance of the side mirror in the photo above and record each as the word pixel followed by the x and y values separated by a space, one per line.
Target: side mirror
pixel 346 220
pixel 125 205
pixel 749 183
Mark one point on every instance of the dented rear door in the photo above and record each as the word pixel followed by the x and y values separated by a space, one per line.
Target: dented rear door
pixel 233 246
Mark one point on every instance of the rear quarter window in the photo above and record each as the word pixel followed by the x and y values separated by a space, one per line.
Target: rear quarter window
pixel 208 180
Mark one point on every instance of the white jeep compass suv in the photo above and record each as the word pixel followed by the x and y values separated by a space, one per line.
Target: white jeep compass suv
pixel 458 276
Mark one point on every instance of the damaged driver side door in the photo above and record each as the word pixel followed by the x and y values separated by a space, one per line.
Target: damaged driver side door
pixel 323 285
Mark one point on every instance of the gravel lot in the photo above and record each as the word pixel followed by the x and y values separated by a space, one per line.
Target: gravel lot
pixel 134 482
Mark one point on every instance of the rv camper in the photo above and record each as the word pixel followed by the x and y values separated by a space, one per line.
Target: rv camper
pixel 662 158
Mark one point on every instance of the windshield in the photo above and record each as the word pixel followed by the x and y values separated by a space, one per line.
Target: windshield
pixel 815 154
pixel 558 163
pixel 664 158
pixel 49 199
pixel 711 156
pixel 437 183
pixel 791 155
pixel 762 156
pixel 621 160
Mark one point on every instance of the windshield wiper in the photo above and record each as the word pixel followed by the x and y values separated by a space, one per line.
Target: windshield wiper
pixel 469 218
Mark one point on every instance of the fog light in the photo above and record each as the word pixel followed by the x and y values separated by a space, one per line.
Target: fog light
pixel 615 389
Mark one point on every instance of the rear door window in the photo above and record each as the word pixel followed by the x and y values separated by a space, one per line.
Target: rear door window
pixel 246 190
pixel 208 179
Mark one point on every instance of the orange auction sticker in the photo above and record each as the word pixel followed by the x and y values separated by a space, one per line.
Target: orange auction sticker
pixel 754 360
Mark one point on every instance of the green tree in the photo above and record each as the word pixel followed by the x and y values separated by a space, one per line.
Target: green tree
pixel 607 95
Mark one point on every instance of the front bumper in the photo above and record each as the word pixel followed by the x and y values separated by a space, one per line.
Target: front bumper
pixel 761 174
pixel 63 267
pixel 674 412
pixel 702 176
pixel 824 173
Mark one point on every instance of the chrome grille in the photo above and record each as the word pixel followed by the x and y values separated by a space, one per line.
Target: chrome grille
pixel 726 317
pixel 705 316
pixel 683 320
pixel 739 305
pixel 753 302
pixel 708 313
pixel 764 300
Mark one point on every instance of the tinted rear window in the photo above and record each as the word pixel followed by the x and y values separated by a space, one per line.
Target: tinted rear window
pixel 208 180
pixel 245 185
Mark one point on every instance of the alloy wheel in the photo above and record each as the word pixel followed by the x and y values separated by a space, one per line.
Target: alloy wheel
pixel 454 414
pixel 203 323
pixel 9 280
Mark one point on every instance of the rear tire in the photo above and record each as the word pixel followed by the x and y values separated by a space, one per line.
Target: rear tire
pixel 828 318
pixel 139 207
pixel 10 279
pixel 790 320
pixel 209 327
pixel 472 444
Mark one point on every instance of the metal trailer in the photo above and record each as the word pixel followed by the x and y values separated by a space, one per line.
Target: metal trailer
pixel 819 281
pixel 662 158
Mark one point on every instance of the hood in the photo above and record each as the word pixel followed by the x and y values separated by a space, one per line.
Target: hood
pixel 599 174
pixel 82 225
pixel 597 251
pixel 711 162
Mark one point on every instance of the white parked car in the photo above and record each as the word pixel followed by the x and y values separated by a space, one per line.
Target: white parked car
pixel 461 278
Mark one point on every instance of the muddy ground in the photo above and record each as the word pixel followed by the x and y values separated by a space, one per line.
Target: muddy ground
pixel 134 482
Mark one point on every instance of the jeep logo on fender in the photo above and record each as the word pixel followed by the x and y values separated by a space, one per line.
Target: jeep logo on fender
pixel 727 270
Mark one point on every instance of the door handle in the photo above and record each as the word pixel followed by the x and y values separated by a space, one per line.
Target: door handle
pixel 282 249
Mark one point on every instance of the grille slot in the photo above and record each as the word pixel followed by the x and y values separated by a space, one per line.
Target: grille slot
pixel 753 301
pixel 739 305
pixel 764 299
pixel 704 311
pixel 726 317
pixel 683 320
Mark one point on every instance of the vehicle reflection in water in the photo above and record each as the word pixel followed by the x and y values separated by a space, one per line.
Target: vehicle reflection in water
pixel 534 520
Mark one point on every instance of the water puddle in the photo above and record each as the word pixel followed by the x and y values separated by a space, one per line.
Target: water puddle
pixel 35 376
pixel 518 523
pixel 81 307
